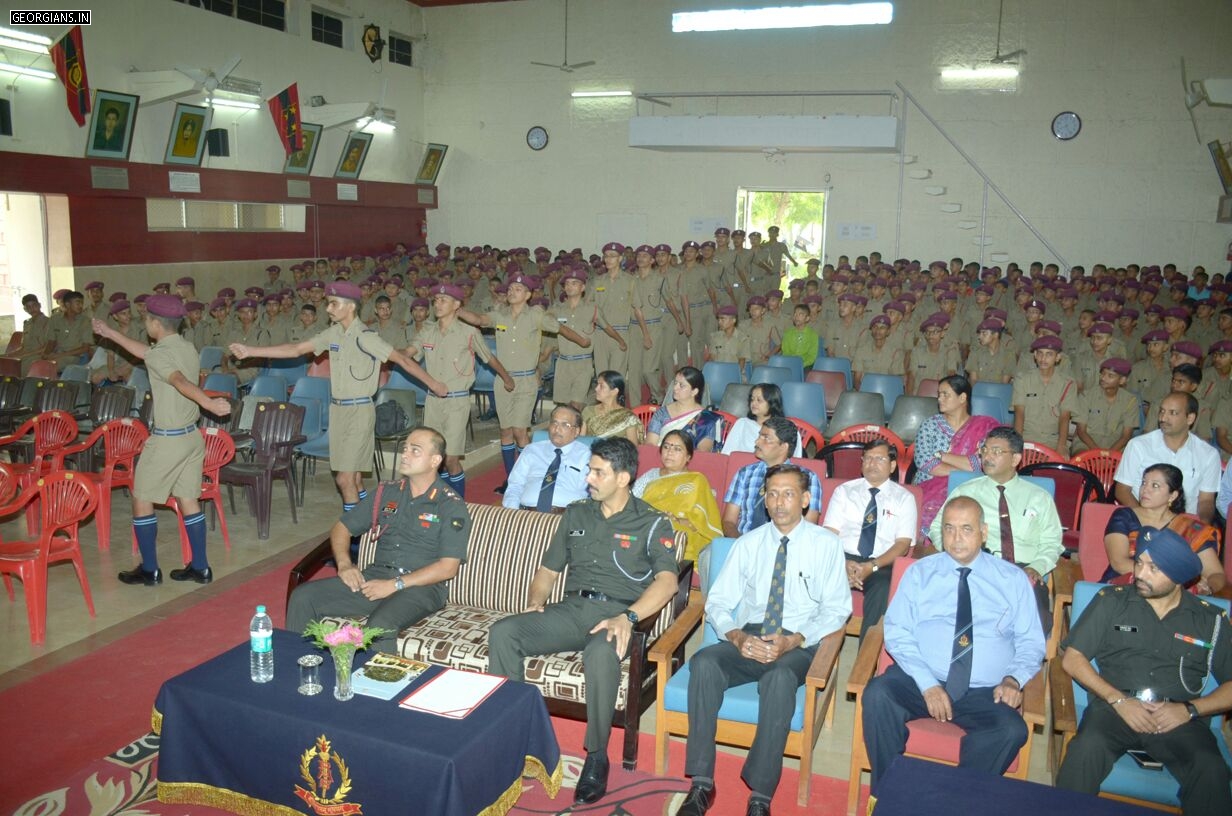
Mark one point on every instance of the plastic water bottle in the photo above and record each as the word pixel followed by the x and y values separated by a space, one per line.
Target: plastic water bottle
pixel 261 639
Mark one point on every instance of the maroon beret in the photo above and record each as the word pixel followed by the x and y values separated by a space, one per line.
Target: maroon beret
pixel 1048 341
pixel 343 289
pixel 227 292
pixel 162 287
pixel 165 306
pixel 1221 347
pixel 1188 347
pixel 1117 364
pixel 142 298
pixel 879 320
pixel 194 306
pixel 617 247
pixel 773 294
pixel 722 231
pixel 757 300
pixel 245 303
pixel 273 268
pixel 420 303
pixel 1048 325
pixel 185 281
pixel 119 306
pixel 93 285
pixel 728 311
pixel 576 273
pixel 663 248
pixel 218 303
pixel 1156 336
pixel 450 290
pixel 114 296
pixel 1099 328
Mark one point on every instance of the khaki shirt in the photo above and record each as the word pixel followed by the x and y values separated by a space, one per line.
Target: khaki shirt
pixel 519 340
pixel 652 291
pixel 1150 383
pixel 580 319
pixel 212 333
pixel 172 409
pixel 724 349
pixel 70 335
pixel 691 286
pixel 35 333
pixel 985 367
pixel 841 338
pixel 869 359
pixel 394 333
pixel 355 357
pixel 929 365
pixel 449 355
pixel 1042 405
pixel 1106 420
pixel 616 298
pixel 764 338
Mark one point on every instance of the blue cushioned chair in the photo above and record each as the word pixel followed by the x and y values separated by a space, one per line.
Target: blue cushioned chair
pixel 772 374
pixel 988 405
pixel 807 401
pixel 738 714
pixel 889 386
pixel 718 376
pixel 789 361
pixel 1128 782
pixel 316 388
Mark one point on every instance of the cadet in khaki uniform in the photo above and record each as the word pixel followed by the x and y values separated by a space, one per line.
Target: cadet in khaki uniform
pixel 1044 400
pixel 992 360
pixel 616 297
pixel 1108 415
pixel 645 364
pixel 1151 377
pixel 764 332
pixel 621 557
pixel 96 306
pixel 725 257
pixel 170 464
pixel 934 359
pixel 390 330
pixel 763 274
pixel 728 344
pixel 273 320
pixel 742 258
pixel 35 333
pixel 355 357
pixel 575 363
pixel 840 335
pixel 70 333
pixel 519 343
pixel 116 364
pixel 694 299
pixel 212 331
pixel 877 354
pixel 245 332
pixel 449 348
pixel 1088 361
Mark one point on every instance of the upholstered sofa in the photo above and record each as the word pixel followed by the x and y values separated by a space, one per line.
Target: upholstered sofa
pixel 504 550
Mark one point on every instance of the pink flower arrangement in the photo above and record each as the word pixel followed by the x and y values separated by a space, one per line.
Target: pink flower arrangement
pixel 347 635
pixel 329 635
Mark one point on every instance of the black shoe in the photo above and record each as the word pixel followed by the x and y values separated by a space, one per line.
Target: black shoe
pixel 203 576
pixel 137 575
pixel 697 802
pixel 592 784
pixel 500 491
pixel 757 807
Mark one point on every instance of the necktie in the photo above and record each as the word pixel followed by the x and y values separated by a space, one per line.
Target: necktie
pixel 760 516
pixel 549 484
pixel 1007 532
pixel 773 622
pixel 868 532
pixel 959 678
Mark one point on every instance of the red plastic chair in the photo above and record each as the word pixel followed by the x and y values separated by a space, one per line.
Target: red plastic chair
pixel 64 500
pixel 10 367
pixel 14 342
pixel 808 435
pixel 927 388
pixel 644 413
pixel 867 433
pixel 319 367
pixel 8 484
pixel 219 450
pixel 123 440
pixel 1092 554
pixel 1034 453
pixel 52 431
pixel 1103 463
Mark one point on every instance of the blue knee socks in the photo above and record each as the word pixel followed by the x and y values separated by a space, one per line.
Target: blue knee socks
pixel 456 481
pixel 146 530
pixel 195 525
pixel 509 455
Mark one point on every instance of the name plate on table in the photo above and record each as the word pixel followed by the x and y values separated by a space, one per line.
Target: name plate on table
pixel 453 693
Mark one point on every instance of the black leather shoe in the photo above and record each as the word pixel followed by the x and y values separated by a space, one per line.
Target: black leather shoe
pixel 500 491
pixel 203 576
pixel 592 784
pixel 697 802
pixel 757 808
pixel 137 575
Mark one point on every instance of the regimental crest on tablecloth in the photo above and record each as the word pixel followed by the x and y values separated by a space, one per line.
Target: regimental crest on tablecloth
pixel 318 795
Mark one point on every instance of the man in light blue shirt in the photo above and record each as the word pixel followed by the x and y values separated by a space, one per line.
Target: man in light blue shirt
pixel 568 484
pixel 769 635
pixel 973 677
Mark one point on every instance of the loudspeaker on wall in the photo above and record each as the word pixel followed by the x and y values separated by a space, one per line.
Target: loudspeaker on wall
pixel 218 142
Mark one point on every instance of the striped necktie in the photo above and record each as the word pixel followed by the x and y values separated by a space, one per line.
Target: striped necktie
pixel 959 678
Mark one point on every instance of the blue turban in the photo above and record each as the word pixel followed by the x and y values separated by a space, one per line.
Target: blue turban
pixel 1171 553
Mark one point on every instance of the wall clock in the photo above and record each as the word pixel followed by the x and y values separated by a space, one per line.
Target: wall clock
pixel 537 138
pixel 1065 125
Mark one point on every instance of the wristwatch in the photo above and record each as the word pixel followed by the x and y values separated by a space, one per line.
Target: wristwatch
pixel 398 585
pixel 875 565
pixel 632 616
pixel 1193 710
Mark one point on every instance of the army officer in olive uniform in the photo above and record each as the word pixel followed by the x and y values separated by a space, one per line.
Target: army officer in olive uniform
pixel 355 356
pixel 423 527
pixel 621 555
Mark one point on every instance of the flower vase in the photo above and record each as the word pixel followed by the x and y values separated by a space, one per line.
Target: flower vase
pixel 344 656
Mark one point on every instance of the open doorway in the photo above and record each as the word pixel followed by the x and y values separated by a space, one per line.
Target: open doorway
pixel 800 216
pixel 24 261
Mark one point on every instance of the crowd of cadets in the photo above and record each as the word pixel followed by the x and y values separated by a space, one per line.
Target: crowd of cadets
pixel 1079 350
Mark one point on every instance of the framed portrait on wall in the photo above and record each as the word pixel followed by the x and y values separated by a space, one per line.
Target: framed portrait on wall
pixel 353 154
pixel 430 167
pixel 186 144
pixel 1220 156
pixel 299 163
pixel 111 125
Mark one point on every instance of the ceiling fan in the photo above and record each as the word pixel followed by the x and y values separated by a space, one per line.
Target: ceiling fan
pixel 162 86
pixel 565 66
pixel 1212 90
pixel 999 58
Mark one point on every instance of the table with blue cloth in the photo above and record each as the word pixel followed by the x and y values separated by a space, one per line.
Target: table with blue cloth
pixel 263 748
pixel 921 788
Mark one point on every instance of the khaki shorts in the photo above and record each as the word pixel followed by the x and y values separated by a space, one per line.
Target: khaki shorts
pixel 514 408
pixel 352 434
pixel 170 466
pixel 572 382
pixel 448 416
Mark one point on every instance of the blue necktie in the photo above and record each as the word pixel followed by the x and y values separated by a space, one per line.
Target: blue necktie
pixel 959 678
pixel 772 624
pixel 868 532
pixel 549 484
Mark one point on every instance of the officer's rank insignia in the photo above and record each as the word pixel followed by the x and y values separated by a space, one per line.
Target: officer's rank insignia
pixel 318 793
pixel 428 519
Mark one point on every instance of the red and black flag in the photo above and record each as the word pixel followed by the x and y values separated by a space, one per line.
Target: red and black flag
pixel 69 57
pixel 285 110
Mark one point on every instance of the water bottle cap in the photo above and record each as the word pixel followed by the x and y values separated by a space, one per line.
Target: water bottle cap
pixel 261 609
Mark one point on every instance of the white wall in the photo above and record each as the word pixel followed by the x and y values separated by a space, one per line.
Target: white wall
pixel 1134 186
pixel 151 35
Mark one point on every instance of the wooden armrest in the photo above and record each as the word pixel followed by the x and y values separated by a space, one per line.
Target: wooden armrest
pixel 866 659
pixel 1064 717
pixel 310 564
pixel 1067 573
pixel 1033 706
pixel 825 658
pixel 680 631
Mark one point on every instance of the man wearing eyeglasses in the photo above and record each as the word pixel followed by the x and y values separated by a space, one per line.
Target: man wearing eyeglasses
pixel 550 475
pixel 875 520
pixel 1023 525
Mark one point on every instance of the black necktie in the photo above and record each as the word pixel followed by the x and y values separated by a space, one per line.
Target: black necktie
pixel 549 484
pixel 959 678
pixel 868 532
pixel 1007 532
pixel 772 624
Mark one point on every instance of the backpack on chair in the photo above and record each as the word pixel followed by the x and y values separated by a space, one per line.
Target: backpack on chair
pixel 390 419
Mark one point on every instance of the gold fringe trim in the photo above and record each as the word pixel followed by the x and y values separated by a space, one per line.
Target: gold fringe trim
pixel 533 768
pixel 156 721
pixel 872 804
pixel 195 793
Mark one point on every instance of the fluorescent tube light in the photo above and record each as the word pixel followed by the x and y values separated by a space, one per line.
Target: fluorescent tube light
pixel 376 125
pixel 234 103
pixel 986 72
pixel 11 43
pixel 24 71
pixel 596 94
pixel 836 14
pixel 14 34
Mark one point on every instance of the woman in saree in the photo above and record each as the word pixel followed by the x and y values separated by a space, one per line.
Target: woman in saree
pixel 685 413
pixel 609 416
pixel 1161 503
pixel 684 495
pixel 947 441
